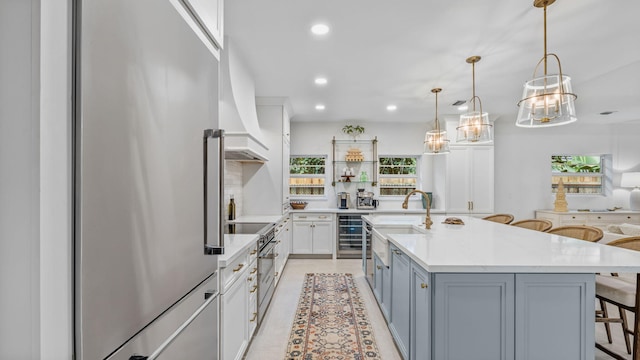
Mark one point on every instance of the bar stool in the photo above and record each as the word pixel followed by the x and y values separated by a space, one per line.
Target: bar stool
pixel 623 292
pixel 499 218
pixel 582 232
pixel 534 224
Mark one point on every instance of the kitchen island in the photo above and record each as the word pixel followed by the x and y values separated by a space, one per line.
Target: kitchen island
pixel 489 291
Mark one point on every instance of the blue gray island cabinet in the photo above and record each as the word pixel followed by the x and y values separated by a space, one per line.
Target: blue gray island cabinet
pixel 490 291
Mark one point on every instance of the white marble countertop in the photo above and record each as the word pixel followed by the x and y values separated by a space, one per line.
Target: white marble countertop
pixel 485 246
pixel 234 245
pixel 367 211
pixel 257 218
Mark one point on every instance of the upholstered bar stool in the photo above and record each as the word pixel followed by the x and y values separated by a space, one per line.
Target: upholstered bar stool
pixel 499 218
pixel 582 232
pixel 534 224
pixel 623 292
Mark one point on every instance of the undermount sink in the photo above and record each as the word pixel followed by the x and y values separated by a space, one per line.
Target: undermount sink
pixel 380 241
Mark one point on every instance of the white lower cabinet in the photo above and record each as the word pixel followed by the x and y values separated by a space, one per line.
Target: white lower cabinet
pixel 234 320
pixel 281 250
pixel 313 234
pixel 506 316
pixel 238 304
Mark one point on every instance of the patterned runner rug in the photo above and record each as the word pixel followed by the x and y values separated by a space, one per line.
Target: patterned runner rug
pixel 331 322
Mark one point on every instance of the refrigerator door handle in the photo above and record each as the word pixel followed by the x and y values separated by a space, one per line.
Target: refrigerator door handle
pixel 210 296
pixel 216 134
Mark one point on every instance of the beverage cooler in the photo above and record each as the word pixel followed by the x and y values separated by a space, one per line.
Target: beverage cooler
pixel 349 236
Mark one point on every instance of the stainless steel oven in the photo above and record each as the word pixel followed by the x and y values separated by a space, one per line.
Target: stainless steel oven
pixel 266 278
pixel 266 258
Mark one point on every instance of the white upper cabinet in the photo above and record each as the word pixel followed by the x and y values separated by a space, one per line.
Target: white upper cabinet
pixel 205 17
pixel 470 178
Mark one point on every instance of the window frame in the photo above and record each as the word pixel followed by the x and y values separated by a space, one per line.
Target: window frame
pixel 417 176
pixel 322 176
pixel 604 175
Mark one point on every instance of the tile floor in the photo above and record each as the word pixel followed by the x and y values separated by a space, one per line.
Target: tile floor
pixel 270 340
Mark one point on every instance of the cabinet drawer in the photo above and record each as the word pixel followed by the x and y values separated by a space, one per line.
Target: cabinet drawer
pixel 313 217
pixel 230 273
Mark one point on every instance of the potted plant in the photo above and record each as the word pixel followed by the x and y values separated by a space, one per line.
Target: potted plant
pixel 353 130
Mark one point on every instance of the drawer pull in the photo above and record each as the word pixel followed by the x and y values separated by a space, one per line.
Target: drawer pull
pixel 322 217
pixel 573 217
pixel 397 252
pixel 255 269
pixel 379 267
pixel 255 316
pixel 599 217
pixel 254 251
pixel 302 217
pixel 238 268
pixel 249 278
pixel 277 272
pixel 255 287
pixel 424 286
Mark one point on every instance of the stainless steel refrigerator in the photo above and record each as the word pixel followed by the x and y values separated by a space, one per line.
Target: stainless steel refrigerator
pixel 148 179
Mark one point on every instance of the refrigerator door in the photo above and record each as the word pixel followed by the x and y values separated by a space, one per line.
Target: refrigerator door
pixel 183 332
pixel 146 89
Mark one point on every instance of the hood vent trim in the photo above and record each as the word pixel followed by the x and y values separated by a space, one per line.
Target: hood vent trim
pixel 242 147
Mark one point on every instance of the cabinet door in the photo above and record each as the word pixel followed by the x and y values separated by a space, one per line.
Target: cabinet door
pixel 470 180
pixel 473 316
pixel 400 289
pixel 210 14
pixel 301 242
pixel 377 278
pixel 458 175
pixel 481 179
pixel 323 237
pixel 386 292
pixel 420 342
pixel 234 320
pixel 554 316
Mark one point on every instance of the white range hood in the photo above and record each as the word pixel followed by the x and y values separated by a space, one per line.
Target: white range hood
pixel 238 117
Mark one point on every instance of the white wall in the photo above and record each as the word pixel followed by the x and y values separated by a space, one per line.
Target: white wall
pixel 522 167
pixel 393 139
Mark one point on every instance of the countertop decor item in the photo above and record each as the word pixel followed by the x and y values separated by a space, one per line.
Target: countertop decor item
pixel 560 205
pixel 632 180
pixel 353 130
pixel 435 141
pixel 547 100
pixel 474 126
pixel 298 205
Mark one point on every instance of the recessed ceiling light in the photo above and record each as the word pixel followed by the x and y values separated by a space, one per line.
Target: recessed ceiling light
pixel 320 29
pixel 319 107
pixel 392 107
pixel 320 80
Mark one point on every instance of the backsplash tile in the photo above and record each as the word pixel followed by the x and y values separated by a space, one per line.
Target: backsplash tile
pixel 233 186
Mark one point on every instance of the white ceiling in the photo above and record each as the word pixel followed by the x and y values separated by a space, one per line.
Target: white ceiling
pixel 382 52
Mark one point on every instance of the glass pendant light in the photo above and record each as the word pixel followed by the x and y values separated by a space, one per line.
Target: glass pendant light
pixel 546 100
pixel 474 126
pixel 435 141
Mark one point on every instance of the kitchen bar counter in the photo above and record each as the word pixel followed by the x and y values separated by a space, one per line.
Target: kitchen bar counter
pixel 485 246
pixel 485 290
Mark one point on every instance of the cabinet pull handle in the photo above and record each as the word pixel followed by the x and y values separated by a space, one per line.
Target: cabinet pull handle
pixel 276 255
pixel 238 268
pixel 424 286
pixel 379 267
pixel 253 252
pixel 323 217
pixel 471 205
pixel 599 217
pixel 255 316
pixel 277 272
pixel 255 287
pixel 573 217
pixel 302 217
pixel 255 269
pixel 249 278
pixel 397 252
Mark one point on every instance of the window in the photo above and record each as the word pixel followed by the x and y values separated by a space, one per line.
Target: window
pixel 307 175
pixel 398 175
pixel 580 174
